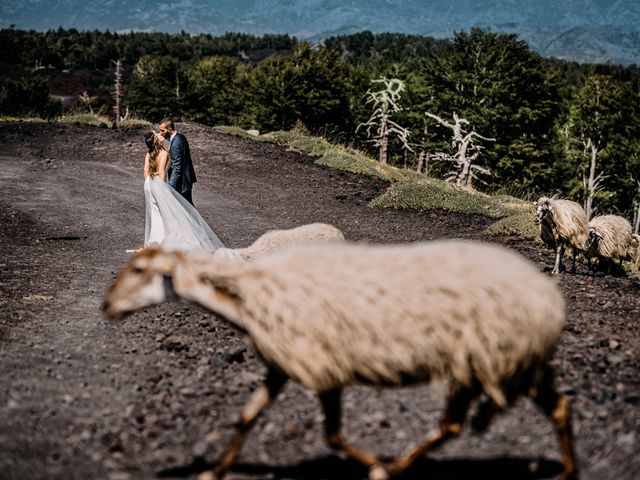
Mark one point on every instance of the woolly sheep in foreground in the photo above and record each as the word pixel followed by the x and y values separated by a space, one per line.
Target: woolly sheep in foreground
pixel 333 315
pixel 276 239
pixel 611 238
pixel 561 223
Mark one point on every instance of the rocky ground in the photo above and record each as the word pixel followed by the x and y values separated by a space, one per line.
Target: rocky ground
pixel 157 394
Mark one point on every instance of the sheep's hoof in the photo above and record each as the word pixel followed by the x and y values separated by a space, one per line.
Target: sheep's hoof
pixel 377 472
pixel 208 475
pixel 573 475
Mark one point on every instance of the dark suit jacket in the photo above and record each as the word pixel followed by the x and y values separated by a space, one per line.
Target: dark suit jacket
pixel 182 175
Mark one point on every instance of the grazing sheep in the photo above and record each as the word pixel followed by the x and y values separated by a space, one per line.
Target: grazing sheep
pixel 329 316
pixel 611 238
pixel 275 239
pixel 561 223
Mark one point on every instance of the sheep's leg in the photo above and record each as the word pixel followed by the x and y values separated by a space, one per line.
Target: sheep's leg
pixel 260 399
pixel 575 254
pixel 559 254
pixel 332 423
pixel 458 402
pixel 487 410
pixel 556 407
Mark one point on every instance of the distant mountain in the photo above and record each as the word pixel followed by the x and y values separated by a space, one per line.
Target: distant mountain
pixel 594 31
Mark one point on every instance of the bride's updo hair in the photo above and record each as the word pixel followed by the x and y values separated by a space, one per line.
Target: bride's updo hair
pixel 154 148
pixel 150 141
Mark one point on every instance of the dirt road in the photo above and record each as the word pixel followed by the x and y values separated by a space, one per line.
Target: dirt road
pixel 82 397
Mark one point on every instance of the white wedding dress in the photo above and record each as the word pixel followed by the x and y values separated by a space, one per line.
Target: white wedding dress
pixel 173 223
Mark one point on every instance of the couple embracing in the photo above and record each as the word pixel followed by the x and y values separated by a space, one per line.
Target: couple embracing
pixel 171 220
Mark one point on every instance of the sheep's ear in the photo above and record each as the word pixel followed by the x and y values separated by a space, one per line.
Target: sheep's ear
pixel 593 233
pixel 535 204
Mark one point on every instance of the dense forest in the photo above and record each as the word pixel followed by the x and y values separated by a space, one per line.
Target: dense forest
pixel 526 125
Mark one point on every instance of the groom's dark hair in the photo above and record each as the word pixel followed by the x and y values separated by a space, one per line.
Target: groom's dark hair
pixel 168 121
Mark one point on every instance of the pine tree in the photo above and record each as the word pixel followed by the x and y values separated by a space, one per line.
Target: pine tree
pixel 597 143
pixel 155 88
pixel 504 90
pixel 214 96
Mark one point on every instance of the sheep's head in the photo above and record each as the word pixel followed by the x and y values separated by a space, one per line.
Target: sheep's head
pixel 544 211
pixel 593 238
pixel 144 281
pixel 154 276
pixel 635 248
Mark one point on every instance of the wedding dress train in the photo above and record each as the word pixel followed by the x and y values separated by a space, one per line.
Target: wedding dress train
pixel 172 222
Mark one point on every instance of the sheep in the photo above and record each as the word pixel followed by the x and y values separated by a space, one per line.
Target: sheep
pixel 561 223
pixel 332 315
pixel 611 238
pixel 275 239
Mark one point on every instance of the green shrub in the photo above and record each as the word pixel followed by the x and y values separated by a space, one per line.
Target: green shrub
pixel 27 96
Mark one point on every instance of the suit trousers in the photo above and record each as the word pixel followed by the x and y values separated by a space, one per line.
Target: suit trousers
pixel 187 196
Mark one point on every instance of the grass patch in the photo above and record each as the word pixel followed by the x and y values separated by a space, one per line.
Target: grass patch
pixel 355 162
pixel 432 194
pixel 311 146
pixel 409 189
pixel 7 118
pixel 338 157
pixel 237 131
pixel 283 138
pixel 518 224
pixel 87 119
pixel 134 122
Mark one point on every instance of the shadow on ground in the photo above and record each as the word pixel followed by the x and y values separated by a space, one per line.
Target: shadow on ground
pixel 332 466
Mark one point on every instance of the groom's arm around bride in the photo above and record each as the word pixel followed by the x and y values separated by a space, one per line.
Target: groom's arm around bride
pixel 183 176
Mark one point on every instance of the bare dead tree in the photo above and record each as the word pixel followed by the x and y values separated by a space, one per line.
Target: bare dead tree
pixel 636 220
pixel 465 171
pixel 86 100
pixel 117 93
pixel 126 114
pixel 593 183
pixel 385 103
pixel 423 162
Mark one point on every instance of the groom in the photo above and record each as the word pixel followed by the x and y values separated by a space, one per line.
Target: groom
pixel 182 175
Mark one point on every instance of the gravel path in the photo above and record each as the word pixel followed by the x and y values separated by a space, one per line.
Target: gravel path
pixel 157 394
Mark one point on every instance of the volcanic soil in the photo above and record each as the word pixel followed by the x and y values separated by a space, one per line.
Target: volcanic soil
pixel 157 394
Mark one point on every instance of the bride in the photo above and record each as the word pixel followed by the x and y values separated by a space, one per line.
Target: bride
pixel 171 221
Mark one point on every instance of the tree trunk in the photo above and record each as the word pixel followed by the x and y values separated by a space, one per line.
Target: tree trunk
pixel 423 162
pixel 384 139
pixel 464 178
pixel 636 224
pixel 118 92
pixel 592 182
